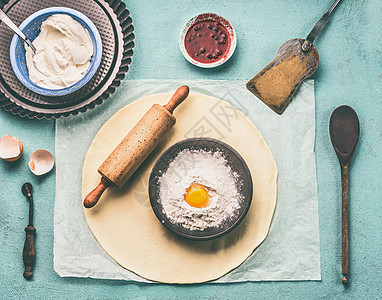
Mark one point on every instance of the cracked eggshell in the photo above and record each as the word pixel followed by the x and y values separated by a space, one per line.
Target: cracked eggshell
pixel 41 162
pixel 11 148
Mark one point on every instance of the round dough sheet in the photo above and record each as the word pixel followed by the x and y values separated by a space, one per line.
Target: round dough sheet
pixel 125 225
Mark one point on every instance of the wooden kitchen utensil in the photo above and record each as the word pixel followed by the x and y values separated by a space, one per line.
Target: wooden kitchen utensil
pixel 296 60
pixel 136 146
pixel 344 133
pixel 29 251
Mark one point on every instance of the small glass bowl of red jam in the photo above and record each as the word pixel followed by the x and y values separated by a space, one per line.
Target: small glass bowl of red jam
pixel 207 40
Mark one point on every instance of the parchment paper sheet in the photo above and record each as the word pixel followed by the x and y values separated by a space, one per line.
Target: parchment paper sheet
pixel 292 249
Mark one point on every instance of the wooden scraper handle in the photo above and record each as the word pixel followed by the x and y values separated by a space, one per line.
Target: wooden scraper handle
pixel 177 98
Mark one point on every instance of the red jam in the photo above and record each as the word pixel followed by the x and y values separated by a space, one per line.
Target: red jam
pixel 207 41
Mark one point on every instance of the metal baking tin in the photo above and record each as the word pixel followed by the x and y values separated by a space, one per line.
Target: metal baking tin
pixel 114 24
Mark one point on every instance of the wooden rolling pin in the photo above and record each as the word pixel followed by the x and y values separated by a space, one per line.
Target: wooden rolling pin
pixel 136 146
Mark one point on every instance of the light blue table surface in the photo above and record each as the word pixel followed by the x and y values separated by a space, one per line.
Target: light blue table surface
pixel 349 73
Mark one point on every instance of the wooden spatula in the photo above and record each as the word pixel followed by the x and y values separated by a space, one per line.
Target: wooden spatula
pixel 296 60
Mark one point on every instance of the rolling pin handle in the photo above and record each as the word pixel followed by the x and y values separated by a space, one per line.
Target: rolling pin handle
pixel 179 96
pixel 92 198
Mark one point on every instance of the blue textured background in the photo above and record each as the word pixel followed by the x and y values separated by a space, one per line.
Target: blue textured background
pixel 349 73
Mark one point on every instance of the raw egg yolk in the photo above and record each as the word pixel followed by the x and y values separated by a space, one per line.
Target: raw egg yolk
pixel 197 196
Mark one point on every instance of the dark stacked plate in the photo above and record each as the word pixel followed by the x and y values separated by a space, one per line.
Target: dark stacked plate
pixel 114 24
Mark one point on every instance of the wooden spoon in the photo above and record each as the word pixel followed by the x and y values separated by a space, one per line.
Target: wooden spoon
pixel 344 133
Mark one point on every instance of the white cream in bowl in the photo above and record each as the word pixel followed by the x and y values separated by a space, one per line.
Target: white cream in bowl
pixel 64 50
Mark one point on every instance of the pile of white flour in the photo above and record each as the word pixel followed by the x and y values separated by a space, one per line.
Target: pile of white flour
pixel 209 169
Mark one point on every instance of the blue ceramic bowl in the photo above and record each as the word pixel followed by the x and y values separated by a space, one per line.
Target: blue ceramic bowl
pixel 31 28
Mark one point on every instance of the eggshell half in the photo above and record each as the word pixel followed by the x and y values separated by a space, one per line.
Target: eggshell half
pixel 41 162
pixel 11 148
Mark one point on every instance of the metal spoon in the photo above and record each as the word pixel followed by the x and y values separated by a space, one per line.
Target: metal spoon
pixel 29 251
pixel 344 133
pixel 7 21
